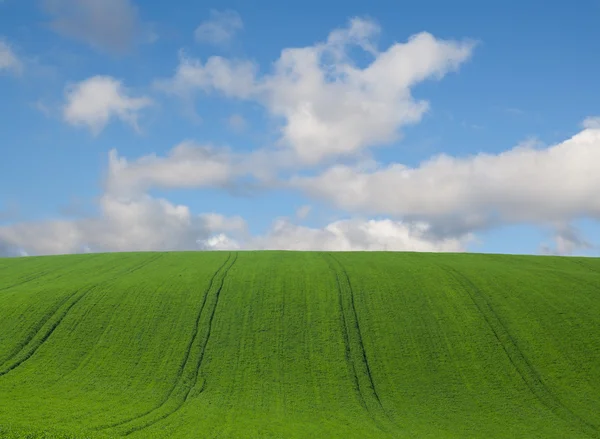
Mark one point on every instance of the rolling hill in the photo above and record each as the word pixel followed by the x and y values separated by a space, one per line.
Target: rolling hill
pixel 299 345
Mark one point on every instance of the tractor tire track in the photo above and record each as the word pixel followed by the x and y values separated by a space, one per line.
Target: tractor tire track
pixel 53 319
pixel 189 370
pixel 31 334
pixel 519 360
pixel 346 337
pixel 27 352
pixel 39 275
pixel 34 331
pixel 187 354
pixel 27 280
pixel 356 356
pixel 227 267
pixel 85 359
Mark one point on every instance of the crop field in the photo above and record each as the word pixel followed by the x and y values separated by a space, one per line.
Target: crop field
pixel 299 345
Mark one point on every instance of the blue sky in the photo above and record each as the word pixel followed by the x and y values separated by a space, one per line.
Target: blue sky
pixel 433 126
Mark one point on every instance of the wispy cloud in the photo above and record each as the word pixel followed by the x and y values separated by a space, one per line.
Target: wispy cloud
pixel 592 123
pixel 8 58
pixel 567 241
pixel 108 25
pixel 220 28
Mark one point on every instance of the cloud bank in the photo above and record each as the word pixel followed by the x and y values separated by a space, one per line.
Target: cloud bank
pixel 522 185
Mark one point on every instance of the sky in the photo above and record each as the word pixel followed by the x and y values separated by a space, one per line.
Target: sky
pixel 425 126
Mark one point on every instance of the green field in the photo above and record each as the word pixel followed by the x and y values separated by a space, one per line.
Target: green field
pixel 299 345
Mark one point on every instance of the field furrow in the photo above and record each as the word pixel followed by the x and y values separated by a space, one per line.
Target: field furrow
pixel 38 275
pixel 186 383
pixel 299 345
pixel 520 362
pixel 45 332
pixel 46 327
pixel 355 350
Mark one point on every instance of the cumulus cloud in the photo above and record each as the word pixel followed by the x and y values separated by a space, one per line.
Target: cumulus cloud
pixel 187 165
pixel 8 59
pixel 193 165
pixel 129 219
pixel 331 106
pixel 145 224
pixel 357 235
pixel 94 101
pixel 110 25
pixel 526 184
pixel 220 28
pixel 233 78
pixel 220 241
pixel 142 223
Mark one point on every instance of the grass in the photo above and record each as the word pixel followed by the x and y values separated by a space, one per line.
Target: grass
pixel 299 345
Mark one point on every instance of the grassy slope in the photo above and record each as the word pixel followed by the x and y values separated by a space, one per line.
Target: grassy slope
pixel 300 345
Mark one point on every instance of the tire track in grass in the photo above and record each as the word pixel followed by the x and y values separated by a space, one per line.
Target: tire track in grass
pixel 518 359
pixel 34 331
pixel 51 321
pixel 186 380
pixel 31 334
pixel 185 359
pixel 39 275
pixel 85 359
pixel 356 356
pixel 28 279
pixel 41 336
pixel 193 387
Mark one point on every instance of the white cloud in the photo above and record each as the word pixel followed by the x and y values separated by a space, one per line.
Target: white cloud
pixel 131 220
pixel 53 237
pixel 124 224
pixel 187 165
pixel 94 101
pixel 156 225
pixel 592 123
pixel 329 105
pixel 144 223
pixel 220 242
pixel 111 25
pixel 237 122
pixel 522 185
pixel 220 28
pixel 8 59
pixel 357 235
pixel 233 78
pixel 215 221
pixel 192 165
